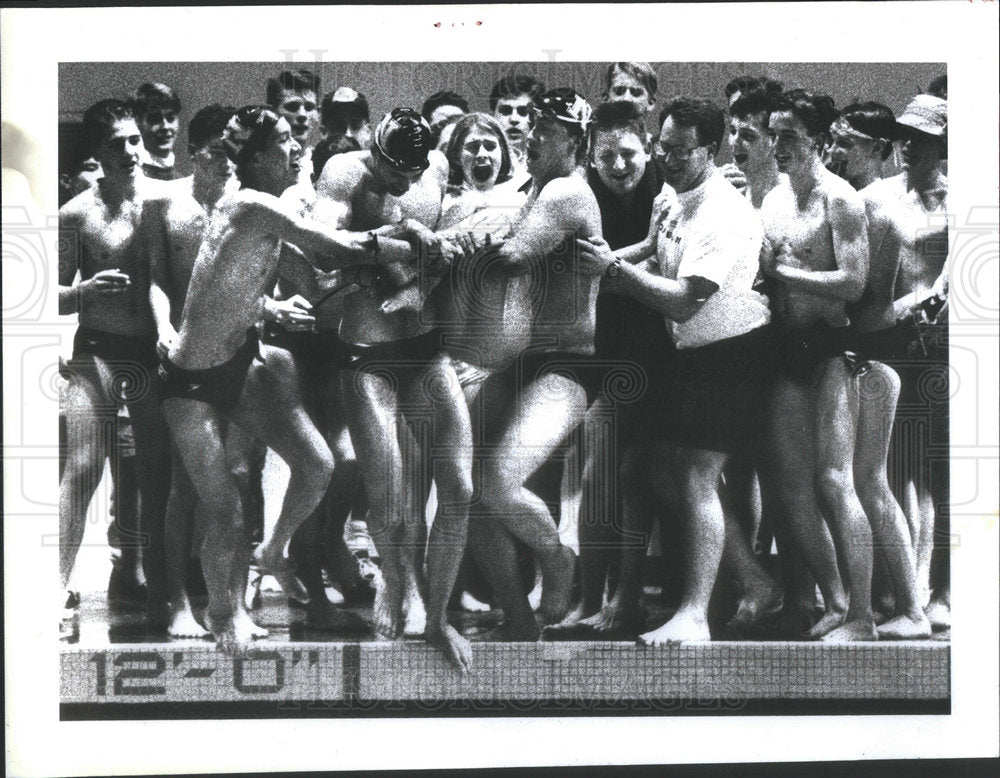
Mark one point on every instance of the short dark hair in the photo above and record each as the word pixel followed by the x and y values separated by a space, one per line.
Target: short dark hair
pixel 617 114
pixel 939 86
pixel 465 125
pixel 704 115
pixel 744 84
pixel 247 134
pixel 641 71
pixel 443 97
pixel 816 112
pixel 99 118
pixel 210 122
pixel 293 81
pixel 515 86
pixel 330 147
pixel 873 119
pixel 150 96
pixel 753 102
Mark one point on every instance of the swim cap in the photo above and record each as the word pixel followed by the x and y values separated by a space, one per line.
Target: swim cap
pixel 344 105
pixel 403 139
pixel 566 106
pixel 926 113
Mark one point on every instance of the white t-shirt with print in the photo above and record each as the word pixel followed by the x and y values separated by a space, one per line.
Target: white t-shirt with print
pixel 713 232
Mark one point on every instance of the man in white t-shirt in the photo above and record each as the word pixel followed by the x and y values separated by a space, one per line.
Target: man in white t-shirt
pixel 707 239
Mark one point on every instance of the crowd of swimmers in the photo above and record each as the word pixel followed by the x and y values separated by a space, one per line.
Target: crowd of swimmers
pixel 448 322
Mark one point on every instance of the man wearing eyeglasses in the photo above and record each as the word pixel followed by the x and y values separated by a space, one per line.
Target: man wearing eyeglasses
pixel 702 259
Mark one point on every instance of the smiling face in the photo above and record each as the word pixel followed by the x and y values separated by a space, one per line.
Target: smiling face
pixel 619 158
pixel 301 112
pixel 795 151
pixel 481 158
pixel 118 152
pixel 159 131
pixel 853 156
pixel 750 142
pixel 682 162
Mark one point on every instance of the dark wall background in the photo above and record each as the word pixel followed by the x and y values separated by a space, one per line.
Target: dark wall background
pixel 392 84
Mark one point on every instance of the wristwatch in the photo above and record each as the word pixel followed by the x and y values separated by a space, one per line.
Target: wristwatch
pixel 614 269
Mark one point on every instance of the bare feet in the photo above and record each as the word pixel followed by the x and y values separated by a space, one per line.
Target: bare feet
pixel 755 606
pixel 856 631
pixel 939 615
pixel 617 616
pixel 456 648
pixel 414 614
pixel 230 640
pixel 510 632
pixel 535 595
pixel 283 571
pixel 387 611
pixel 557 583
pixel 682 628
pixel 183 624
pixel 245 623
pixel 831 620
pixel 906 627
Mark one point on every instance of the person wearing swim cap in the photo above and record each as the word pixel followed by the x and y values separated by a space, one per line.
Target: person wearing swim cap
pixel 907 218
pixel 861 143
pixel 531 407
pixel 215 371
pixel 344 114
pixel 393 367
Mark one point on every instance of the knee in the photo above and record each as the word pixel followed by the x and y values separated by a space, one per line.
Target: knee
pixel 317 466
pixel 833 484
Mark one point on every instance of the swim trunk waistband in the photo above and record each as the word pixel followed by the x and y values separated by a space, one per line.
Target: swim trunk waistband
pixel 220 386
pixel 311 348
pixel 415 352
pixel 112 347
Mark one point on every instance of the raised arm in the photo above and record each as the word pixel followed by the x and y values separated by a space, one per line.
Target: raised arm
pixel 850 251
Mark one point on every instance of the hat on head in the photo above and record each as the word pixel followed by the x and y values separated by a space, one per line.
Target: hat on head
pixel 403 139
pixel 925 113
pixel 566 106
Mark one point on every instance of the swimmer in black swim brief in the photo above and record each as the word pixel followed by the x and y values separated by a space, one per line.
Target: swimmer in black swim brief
pixel 219 386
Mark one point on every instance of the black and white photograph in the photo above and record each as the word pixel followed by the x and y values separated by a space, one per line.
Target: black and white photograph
pixel 541 378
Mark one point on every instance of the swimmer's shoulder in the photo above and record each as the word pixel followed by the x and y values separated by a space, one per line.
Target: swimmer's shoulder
pixel 342 173
pixel 76 209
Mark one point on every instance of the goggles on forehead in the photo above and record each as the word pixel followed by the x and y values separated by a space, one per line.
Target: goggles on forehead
pixel 843 128
pixel 565 106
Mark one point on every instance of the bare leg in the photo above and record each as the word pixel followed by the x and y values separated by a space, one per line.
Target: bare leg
pixel 878 391
pixel 90 415
pixel 543 415
pixel 699 475
pixel 438 390
pixel 197 430
pixel 835 405
pixel 372 413
pixel 760 597
pixel 639 465
pixel 272 409
pixel 792 474
pixel 152 458
pixel 181 506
